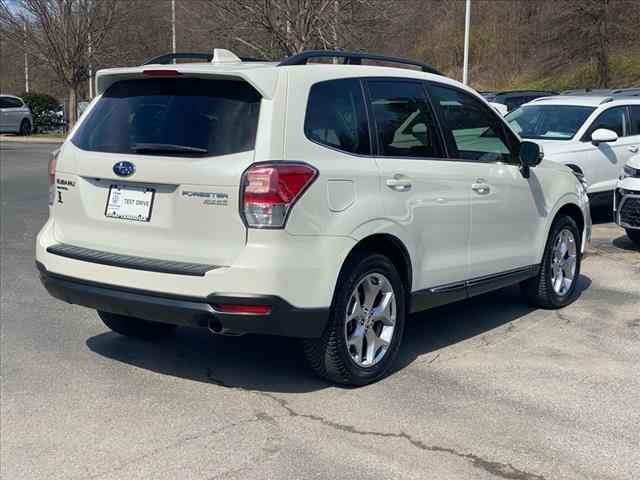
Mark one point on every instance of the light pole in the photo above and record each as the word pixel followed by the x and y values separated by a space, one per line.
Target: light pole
pixel 467 26
pixel 26 60
pixel 90 67
pixel 173 27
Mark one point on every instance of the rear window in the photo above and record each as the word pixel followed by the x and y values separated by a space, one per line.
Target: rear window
pixel 172 116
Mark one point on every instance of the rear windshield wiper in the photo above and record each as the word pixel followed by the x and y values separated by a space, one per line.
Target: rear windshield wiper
pixel 166 148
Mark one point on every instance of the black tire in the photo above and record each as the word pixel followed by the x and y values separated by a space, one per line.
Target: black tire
pixel 539 289
pixel 25 128
pixel 134 327
pixel 634 235
pixel 329 355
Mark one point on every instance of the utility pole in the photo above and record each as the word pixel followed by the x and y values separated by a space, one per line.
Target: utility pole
pixel 173 27
pixel 90 66
pixel 467 26
pixel 26 60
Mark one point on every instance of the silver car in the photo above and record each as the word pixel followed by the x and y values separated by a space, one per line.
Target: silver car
pixel 15 116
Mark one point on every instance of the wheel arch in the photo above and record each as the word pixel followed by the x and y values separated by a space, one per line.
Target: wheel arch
pixel 575 168
pixel 574 211
pixel 391 247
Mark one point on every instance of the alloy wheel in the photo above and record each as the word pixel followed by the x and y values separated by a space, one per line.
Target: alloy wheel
pixel 563 262
pixel 370 320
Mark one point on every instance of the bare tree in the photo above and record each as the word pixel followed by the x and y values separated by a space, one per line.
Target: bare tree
pixel 58 32
pixel 272 28
pixel 553 44
pixel 584 31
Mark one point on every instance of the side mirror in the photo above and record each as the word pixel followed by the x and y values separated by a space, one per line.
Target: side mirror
pixel 531 154
pixel 603 135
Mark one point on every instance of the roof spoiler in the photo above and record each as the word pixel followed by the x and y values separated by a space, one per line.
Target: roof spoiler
pixel 219 55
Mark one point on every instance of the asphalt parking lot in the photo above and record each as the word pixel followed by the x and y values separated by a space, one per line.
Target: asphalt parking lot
pixel 485 389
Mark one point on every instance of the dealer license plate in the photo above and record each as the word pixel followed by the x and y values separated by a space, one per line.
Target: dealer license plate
pixel 130 203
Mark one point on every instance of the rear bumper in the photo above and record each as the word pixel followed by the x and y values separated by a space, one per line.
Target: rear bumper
pixel 283 320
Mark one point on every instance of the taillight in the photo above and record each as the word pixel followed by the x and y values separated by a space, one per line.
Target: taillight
pixel 53 160
pixel 269 190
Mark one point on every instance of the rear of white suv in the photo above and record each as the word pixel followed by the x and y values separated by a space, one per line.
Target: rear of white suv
pixel 325 202
pixel 168 186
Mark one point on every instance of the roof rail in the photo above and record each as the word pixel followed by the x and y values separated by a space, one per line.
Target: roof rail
pixel 353 58
pixel 541 99
pixel 205 57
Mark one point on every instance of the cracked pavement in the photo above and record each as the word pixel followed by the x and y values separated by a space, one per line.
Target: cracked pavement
pixel 484 389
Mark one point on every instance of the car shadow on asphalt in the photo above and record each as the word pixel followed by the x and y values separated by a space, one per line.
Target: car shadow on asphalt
pixel 602 215
pixel 275 364
pixel 624 243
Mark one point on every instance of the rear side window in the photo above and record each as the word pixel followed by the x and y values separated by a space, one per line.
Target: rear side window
pixel 634 116
pixel 404 121
pixel 336 116
pixel 476 132
pixel 172 116
pixel 8 102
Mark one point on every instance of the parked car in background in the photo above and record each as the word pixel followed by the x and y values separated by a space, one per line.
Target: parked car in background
pixel 586 92
pixel 626 92
pixel 626 205
pixel 513 99
pixel 594 135
pixel 608 92
pixel 15 116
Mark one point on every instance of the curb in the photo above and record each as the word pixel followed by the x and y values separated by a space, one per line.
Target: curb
pixel 16 139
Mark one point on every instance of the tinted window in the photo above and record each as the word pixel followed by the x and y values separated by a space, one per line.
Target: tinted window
pixel 8 102
pixel 476 132
pixel 634 114
pixel 194 116
pixel 613 119
pixel 336 116
pixel 404 121
pixel 548 122
pixel 514 102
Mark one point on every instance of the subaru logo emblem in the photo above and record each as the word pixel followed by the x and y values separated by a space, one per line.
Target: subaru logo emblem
pixel 124 169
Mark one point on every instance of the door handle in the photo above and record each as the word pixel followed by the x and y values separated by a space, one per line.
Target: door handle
pixel 399 183
pixel 634 149
pixel 480 187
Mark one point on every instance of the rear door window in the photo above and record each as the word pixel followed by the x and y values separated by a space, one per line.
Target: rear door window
pixel 405 123
pixel 174 117
pixel 336 116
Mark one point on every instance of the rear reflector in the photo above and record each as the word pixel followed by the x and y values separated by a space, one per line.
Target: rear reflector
pixel 246 309
pixel 161 73
pixel 53 160
pixel 270 190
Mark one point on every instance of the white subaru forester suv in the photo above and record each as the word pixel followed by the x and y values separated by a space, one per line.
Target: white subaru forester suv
pixel 320 201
